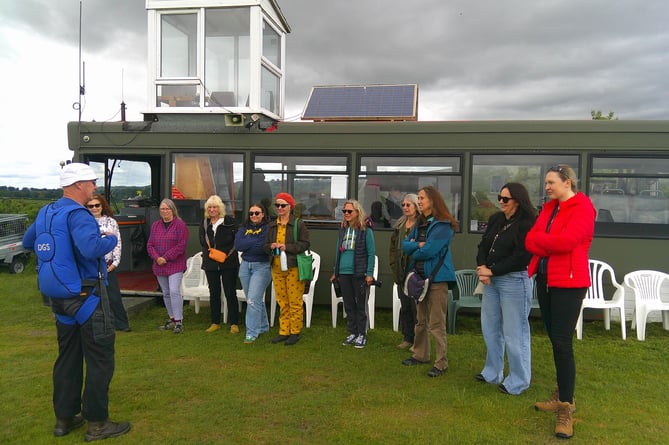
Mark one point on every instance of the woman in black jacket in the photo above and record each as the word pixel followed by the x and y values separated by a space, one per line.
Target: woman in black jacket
pixel 218 231
pixel 507 296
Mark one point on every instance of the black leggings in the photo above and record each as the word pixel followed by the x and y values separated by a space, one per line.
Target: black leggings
pixel 560 308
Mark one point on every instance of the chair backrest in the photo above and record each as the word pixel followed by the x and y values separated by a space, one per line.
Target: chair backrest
pixel 597 271
pixel 467 280
pixel 646 284
pixel 222 99
pixel 193 275
pixel 316 266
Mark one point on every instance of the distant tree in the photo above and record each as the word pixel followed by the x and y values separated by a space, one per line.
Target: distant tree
pixel 598 116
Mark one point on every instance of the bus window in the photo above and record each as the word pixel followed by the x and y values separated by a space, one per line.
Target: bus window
pixel 491 171
pixel 384 180
pixel 129 183
pixel 629 191
pixel 316 182
pixel 198 176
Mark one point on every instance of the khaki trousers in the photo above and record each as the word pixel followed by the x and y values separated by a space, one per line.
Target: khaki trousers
pixel 431 319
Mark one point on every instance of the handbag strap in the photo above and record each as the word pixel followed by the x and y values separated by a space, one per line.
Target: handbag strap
pixel 295 233
pixel 439 264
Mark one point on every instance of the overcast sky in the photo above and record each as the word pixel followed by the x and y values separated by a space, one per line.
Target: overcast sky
pixel 472 60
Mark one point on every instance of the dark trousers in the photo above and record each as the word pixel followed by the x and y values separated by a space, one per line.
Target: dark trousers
pixel 92 343
pixel 407 314
pixel 229 279
pixel 354 291
pixel 560 308
pixel 116 302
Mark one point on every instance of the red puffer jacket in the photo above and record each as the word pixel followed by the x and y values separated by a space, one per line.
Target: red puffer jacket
pixel 566 244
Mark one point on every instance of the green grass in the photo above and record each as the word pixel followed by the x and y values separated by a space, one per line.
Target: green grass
pixel 200 388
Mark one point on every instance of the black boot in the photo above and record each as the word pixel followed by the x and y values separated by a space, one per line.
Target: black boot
pixel 64 426
pixel 105 430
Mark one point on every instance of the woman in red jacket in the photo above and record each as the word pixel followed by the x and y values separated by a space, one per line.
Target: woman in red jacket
pixel 560 240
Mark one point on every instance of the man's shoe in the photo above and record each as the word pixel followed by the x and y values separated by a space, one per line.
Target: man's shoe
pixel 503 389
pixel 413 361
pixel 279 339
pixel 178 328
pixel 292 339
pixel 349 340
pixel 64 426
pixel 360 342
pixel 105 430
pixel 435 372
pixel 405 344
pixel 249 340
pixel 213 328
pixel 564 427
pixel 234 329
pixel 480 378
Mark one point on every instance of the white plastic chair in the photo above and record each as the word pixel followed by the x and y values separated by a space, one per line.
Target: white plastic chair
pixel 646 285
pixel 194 285
pixel 594 298
pixel 397 305
pixel 371 301
pixel 308 297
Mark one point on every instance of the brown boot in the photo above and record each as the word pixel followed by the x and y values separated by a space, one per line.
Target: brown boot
pixel 564 427
pixel 105 430
pixel 551 405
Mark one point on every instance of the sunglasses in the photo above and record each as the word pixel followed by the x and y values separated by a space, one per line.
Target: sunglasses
pixel 280 206
pixel 557 169
pixel 255 213
pixel 94 206
pixel 404 204
pixel 348 211
pixel 504 199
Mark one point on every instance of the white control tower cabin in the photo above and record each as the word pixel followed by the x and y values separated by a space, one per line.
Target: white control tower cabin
pixel 217 56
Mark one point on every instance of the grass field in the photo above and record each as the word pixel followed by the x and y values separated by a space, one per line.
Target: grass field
pixel 200 388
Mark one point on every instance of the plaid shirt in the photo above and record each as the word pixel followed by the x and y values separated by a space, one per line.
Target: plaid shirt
pixel 169 243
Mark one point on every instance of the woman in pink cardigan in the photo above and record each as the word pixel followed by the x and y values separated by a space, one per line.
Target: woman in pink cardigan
pixel 167 248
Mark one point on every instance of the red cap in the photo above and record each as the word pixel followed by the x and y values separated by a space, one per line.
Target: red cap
pixel 286 197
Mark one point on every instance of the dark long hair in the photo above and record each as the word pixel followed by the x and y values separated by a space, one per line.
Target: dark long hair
pixel 522 197
pixel 265 218
pixel 439 208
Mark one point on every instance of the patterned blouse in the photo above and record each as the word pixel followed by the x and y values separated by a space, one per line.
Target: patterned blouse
pixel 108 224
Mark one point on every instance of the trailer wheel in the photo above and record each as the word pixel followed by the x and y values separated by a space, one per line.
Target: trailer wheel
pixel 18 265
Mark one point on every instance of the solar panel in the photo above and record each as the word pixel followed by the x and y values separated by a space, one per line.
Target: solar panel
pixel 362 103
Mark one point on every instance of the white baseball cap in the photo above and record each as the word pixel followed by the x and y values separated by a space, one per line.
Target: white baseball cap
pixel 76 172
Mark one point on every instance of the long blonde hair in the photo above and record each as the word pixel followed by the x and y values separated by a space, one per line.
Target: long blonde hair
pixel 360 222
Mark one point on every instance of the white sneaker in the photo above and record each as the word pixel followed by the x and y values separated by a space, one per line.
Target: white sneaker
pixel 349 340
pixel 361 341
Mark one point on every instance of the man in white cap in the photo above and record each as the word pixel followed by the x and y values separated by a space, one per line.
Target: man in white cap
pixel 70 251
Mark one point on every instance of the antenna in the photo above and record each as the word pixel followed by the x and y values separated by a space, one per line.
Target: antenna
pixel 81 67
pixel 122 97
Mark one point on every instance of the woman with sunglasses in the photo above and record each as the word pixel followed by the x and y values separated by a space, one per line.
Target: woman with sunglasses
pixel 559 241
pixel 104 215
pixel 398 265
pixel 218 231
pixel 287 285
pixel 354 270
pixel 507 294
pixel 428 245
pixel 254 271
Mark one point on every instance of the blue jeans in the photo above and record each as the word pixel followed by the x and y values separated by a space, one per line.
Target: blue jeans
pixel 255 277
pixel 505 309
